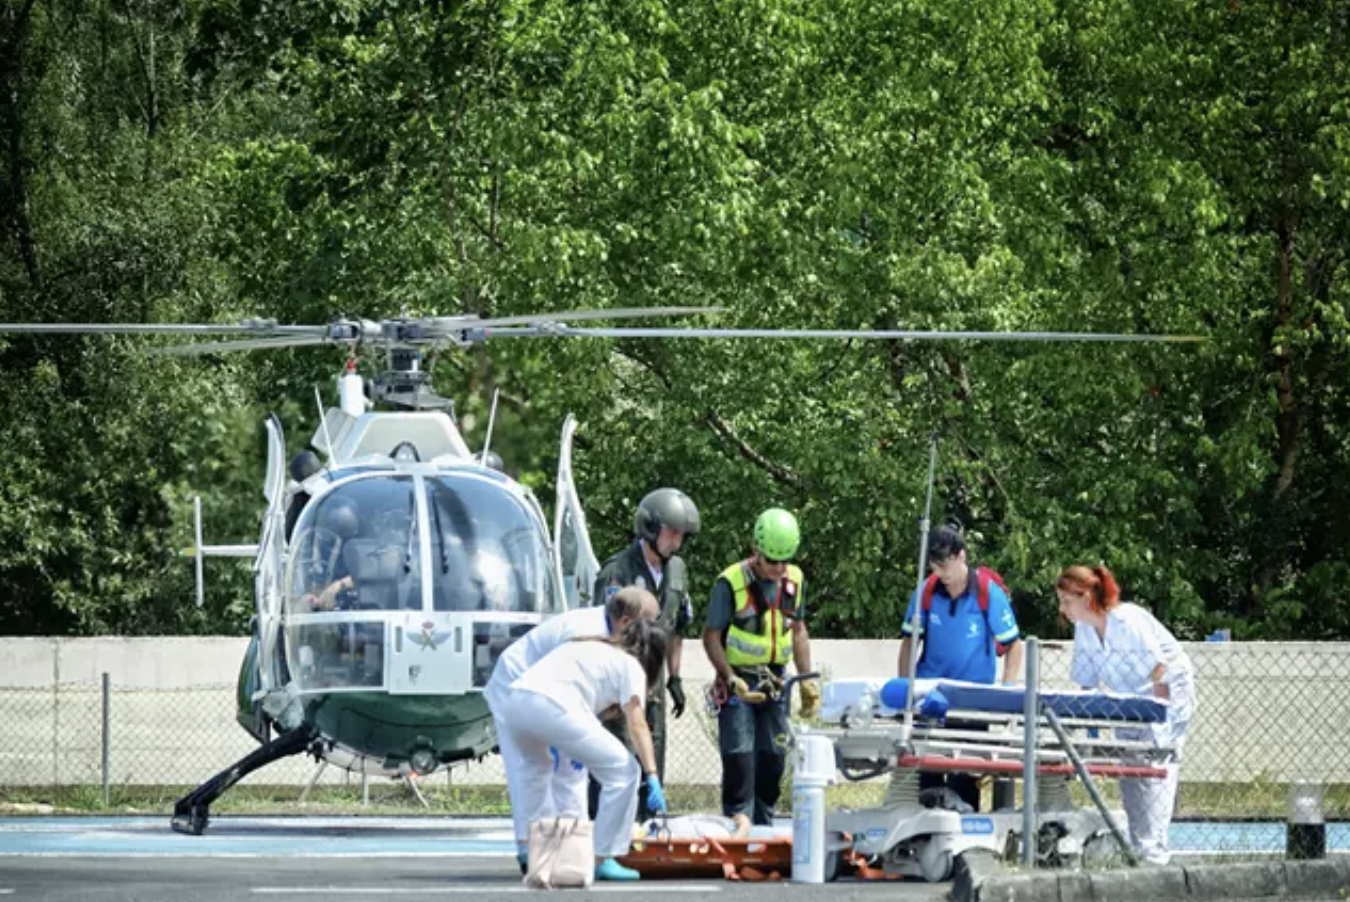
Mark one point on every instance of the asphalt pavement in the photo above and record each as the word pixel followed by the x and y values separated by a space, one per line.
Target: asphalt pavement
pixel 322 858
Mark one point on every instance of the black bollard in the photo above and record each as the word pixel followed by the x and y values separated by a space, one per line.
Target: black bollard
pixel 1307 832
pixel 1005 794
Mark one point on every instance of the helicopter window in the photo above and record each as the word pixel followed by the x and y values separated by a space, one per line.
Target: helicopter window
pixel 357 550
pixel 487 553
pixel 489 641
pixel 336 655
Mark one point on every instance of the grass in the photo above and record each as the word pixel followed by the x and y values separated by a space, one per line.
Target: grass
pixel 1256 800
pixel 385 798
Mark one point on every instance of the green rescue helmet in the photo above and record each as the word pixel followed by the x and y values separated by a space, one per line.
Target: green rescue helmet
pixel 665 507
pixel 777 535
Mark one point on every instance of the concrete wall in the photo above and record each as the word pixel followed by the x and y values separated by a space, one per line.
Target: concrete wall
pixel 1266 711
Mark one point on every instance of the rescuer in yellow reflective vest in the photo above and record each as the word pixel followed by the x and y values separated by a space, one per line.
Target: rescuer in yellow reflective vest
pixel 756 623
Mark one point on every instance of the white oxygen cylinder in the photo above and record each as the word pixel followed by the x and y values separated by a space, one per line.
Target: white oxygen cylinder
pixel 812 771
pixel 351 391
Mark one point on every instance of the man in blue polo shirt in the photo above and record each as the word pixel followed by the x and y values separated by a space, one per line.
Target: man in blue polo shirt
pixel 963 638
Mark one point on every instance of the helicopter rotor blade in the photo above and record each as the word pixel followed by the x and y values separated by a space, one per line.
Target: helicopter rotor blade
pixel 582 316
pixel 279 342
pixel 863 334
pixel 417 333
pixel 247 327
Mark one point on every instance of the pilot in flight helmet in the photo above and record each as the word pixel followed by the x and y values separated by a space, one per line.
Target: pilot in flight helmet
pixel 665 507
pixel 341 518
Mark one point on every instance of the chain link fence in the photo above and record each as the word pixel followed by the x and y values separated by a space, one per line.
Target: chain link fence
pixel 79 744
pixel 1259 726
pixel 1267 719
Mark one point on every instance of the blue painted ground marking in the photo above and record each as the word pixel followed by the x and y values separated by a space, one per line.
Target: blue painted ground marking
pixel 262 837
pixel 1236 838
pixel 283 837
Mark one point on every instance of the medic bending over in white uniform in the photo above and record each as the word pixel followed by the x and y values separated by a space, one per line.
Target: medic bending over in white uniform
pixel 568 787
pixel 1123 648
pixel 557 705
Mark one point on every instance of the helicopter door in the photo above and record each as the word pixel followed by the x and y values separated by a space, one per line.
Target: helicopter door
pixel 572 552
pixel 270 563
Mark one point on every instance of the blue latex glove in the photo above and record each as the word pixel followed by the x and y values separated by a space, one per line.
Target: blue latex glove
pixel 656 799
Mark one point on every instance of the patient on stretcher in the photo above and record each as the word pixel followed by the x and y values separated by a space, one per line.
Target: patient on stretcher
pixel 706 826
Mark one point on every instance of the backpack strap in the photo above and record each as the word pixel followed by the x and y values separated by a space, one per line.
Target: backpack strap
pixel 983 577
pixel 929 589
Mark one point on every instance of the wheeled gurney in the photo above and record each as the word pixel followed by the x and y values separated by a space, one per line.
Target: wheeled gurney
pixel 978 729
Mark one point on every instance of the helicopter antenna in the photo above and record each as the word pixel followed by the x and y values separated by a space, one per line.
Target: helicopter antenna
pixel 492 418
pixel 323 422
pixel 197 532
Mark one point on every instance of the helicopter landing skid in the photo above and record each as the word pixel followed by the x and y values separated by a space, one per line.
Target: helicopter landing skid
pixel 192 812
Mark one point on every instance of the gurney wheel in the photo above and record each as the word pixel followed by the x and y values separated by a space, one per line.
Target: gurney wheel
pixel 1102 851
pixel 936 867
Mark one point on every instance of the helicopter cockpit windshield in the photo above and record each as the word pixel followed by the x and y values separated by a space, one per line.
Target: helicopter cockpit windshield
pixel 414 581
pixel 486 553
pixel 361 553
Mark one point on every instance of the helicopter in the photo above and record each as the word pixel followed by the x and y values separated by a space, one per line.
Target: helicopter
pixel 394 564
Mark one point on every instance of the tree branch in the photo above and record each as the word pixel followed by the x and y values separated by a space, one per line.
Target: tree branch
pixel 725 431
pixel 987 469
pixel 11 121
pixel 778 472
pixel 519 402
pixel 1289 421
pixel 147 61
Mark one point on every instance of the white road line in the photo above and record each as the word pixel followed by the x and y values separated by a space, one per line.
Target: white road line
pixel 494 888
pixel 279 856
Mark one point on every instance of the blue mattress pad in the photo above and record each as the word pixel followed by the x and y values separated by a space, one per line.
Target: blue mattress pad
pixel 938 696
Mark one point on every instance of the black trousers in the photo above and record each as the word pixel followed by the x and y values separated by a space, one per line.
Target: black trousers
pixel 967 786
pixel 753 740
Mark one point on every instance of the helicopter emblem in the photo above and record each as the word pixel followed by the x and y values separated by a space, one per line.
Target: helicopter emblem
pixel 430 638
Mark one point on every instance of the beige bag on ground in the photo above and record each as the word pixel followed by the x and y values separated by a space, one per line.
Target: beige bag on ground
pixel 562 853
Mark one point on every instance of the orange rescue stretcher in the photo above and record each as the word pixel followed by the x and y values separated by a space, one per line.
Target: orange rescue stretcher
pixel 665 855
pixel 682 857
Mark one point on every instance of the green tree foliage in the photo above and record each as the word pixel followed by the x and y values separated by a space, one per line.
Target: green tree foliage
pixel 1164 166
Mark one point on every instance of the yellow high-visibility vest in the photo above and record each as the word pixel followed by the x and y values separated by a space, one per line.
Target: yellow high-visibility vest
pixel 772 643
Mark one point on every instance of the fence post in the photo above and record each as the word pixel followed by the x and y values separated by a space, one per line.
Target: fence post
pixel 56 716
pixel 107 734
pixel 1031 711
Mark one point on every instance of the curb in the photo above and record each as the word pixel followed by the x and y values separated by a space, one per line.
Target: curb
pixel 981 880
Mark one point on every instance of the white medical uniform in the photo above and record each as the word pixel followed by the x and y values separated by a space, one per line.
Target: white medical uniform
pixel 1123 661
pixel 567 789
pixel 555 704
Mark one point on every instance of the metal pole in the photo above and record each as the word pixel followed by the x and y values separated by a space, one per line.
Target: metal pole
pixel 916 623
pixel 56 715
pixel 1031 711
pixel 197 551
pixel 107 733
pixel 1091 787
